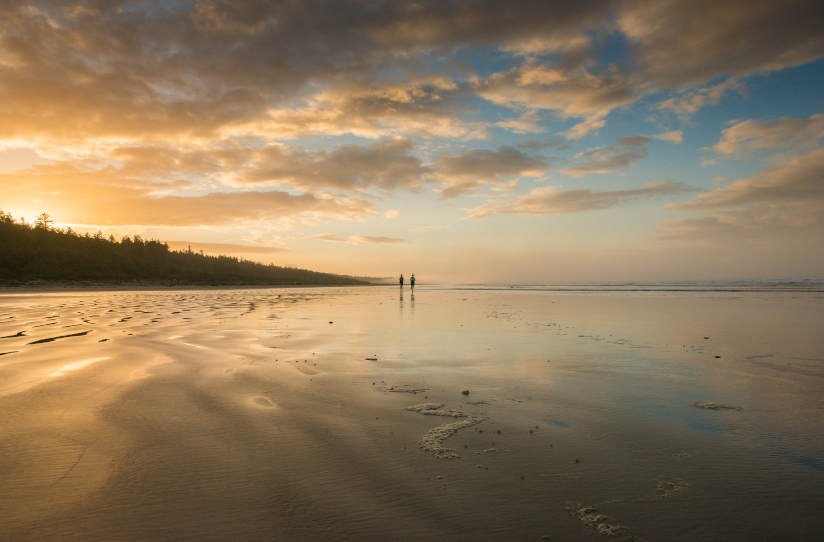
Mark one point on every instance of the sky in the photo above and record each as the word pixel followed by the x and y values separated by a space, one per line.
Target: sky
pixel 464 141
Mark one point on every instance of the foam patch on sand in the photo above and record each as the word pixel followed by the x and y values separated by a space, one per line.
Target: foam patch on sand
pixel 425 406
pixel 666 489
pixel 436 409
pixel 715 406
pixel 588 516
pixel 433 441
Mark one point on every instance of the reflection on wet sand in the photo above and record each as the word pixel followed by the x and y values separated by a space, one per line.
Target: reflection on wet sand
pixel 324 414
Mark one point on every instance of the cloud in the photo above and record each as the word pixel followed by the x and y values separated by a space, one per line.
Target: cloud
pixel 525 124
pixel 688 103
pixel 799 181
pixel 392 213
pixel 685 43
pixel 675 45
pixel 535 145
pixel 12 160
pixel 104 197
pixel 676 137
pixel 360 239
pixel 427 228
pixel 427 107
pixel 185 103
pixel 461 173
pixel 624 153
pixel 569 92
pixel 776 201
pixel 188 70
pixel 221 208
pixel 548 200
pixel 752 135
pixel 223 248
pixel 386 165
pixel 205 70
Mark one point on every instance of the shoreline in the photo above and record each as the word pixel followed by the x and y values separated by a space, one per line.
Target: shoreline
pixel 116 286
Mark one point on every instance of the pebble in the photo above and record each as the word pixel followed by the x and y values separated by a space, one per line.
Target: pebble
pixel 465 392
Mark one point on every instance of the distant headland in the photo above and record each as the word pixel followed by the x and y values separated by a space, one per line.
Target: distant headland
pixel 41 253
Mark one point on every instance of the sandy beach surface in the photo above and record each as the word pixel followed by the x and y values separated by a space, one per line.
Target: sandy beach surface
pixel 450 414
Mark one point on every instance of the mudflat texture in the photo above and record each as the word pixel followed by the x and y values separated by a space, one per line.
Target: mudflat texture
pixel 371 414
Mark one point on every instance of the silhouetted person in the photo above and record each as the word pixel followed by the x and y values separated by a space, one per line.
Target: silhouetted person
pixel 401 281
pixel 412 281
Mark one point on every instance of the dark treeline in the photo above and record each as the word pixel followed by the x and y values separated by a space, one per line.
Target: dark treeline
pixel 41 252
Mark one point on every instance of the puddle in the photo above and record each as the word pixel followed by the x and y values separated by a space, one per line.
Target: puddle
pixel 77 365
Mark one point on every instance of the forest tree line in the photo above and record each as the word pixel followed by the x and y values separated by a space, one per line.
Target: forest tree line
pixel 40 251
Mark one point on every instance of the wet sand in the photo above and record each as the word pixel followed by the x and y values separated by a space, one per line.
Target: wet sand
pixel 340 414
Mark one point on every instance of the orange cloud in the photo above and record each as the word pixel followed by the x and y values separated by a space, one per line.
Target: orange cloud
pixel 223 248
pixel 103 197
pixel 360 239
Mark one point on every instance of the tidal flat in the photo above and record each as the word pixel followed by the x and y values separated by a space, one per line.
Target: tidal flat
pixel 454 413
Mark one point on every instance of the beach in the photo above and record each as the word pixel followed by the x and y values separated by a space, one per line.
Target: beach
pixel 450 413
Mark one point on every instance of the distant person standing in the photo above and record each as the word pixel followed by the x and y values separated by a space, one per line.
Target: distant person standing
pixel 412 281
pixel 401 280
